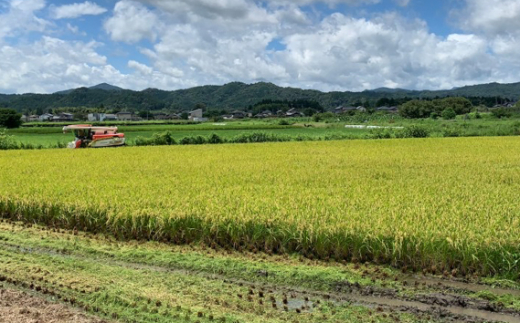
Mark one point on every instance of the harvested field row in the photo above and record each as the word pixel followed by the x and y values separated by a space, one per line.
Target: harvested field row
pixel 145 282
pixel 20 307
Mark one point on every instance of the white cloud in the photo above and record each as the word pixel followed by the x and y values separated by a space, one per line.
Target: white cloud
pixel 498 21
pixel 205 8
pixel 328 2
pixel 197 42
pixel 491 16
pixel 20 18
pixel 402 3
pixel 52 64
pixel 338 53
pixel 76 10
pixel 358 54
pixel 132 22
pixel 27 5
pixel 73 29
pixel 141 68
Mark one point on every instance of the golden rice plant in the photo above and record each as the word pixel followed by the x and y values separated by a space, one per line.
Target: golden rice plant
pixel 437 204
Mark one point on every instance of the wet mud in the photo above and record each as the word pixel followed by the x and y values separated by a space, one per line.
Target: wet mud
pixel 442 299
pixel 20 307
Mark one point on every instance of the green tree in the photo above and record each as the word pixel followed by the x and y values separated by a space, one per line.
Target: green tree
pixel 199 105
pixel 501 113
pixel 146 115
pixel 309 112
pixel 417 109
pixel 459 105
pixel 448 114
pixel 9 118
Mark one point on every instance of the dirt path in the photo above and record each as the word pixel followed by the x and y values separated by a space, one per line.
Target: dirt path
pixel 20 307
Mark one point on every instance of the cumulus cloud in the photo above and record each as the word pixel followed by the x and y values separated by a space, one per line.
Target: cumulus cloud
pixel 328 2
pixel 197 42
pixel 52 64
pixel 361 54
pixel 338 53
pixel 141 68
pixel 132 22
pixel 205 8
pixel 402 3
pixel 76 10
pixel 499 22
pixel 20 17
pixel 42 66
pixel 27 5
pixel 494 17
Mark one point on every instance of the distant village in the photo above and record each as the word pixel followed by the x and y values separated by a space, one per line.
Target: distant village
pixel 198 114
pixel 195 115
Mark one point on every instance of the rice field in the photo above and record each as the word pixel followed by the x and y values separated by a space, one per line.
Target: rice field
pixel 437 205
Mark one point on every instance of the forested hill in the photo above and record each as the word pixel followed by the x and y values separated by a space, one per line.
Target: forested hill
pixel 232 96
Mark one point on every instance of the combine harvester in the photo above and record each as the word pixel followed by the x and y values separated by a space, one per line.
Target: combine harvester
pixel 94 137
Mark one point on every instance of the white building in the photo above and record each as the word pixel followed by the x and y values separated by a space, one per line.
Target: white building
pixel 96 116
pixel 46 117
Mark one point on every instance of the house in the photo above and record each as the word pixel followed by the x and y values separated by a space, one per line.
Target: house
pixel 387 109
pixel 237 114
pixel 24 118
pixel 227 116
pixel 125 116
pixel 110 117
pixel 506 105
pixel 33 118
pixel 161 116
pixel 293 113
pixel 65 116
pixel 343 109
pixel 264 114
pixel 96 116
pixel 46 117
pixel 195 114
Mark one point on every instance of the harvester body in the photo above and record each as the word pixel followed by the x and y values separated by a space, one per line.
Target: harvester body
pixel 87 136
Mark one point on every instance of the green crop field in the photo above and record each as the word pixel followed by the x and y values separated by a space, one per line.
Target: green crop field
pixel 430 204
pixel 44 135
pixel 50 136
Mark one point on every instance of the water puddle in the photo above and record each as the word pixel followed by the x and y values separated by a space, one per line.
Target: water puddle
pixel 458 285
pixel 392 302
pixel 296 304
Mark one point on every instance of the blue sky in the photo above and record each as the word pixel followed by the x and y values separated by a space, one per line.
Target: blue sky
pixel 330 45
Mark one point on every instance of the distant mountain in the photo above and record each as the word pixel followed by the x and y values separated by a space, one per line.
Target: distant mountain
pixel 106 87
pixel 237 95
pixel 511 90
pixel 101 86
pixel 388 90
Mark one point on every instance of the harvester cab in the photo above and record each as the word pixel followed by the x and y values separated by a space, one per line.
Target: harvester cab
pixel 94 137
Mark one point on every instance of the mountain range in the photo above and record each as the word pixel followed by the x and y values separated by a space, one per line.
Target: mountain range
pixel 235 95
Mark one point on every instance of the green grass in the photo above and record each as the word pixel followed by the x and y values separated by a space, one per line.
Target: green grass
pixel 49 136
pixel 486 125
pixel 150 282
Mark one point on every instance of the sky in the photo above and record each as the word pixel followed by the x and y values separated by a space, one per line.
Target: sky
pixel 330 45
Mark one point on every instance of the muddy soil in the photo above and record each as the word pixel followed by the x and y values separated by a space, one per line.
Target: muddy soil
pixel 21 307
pixel 432 298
